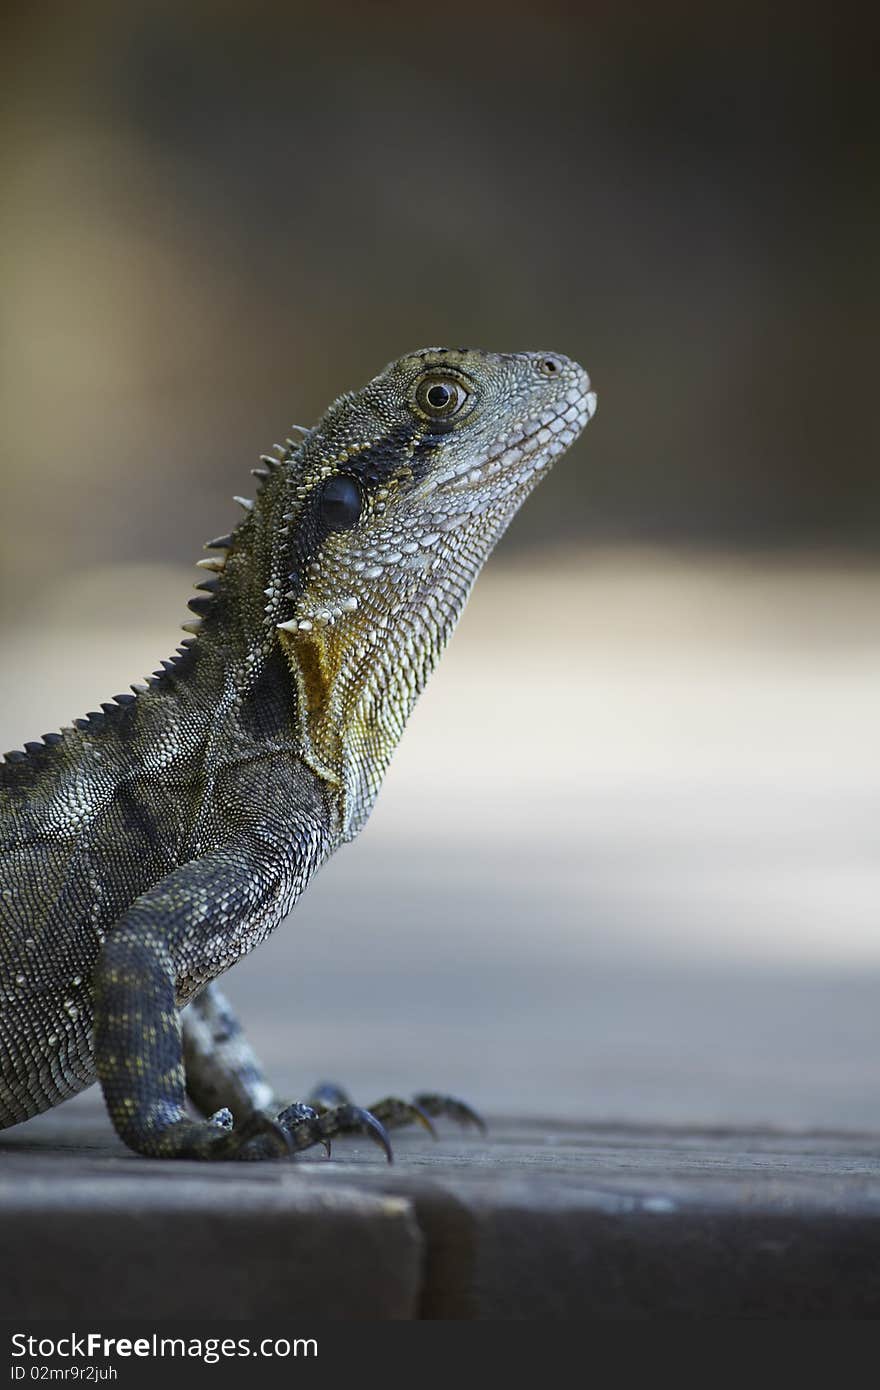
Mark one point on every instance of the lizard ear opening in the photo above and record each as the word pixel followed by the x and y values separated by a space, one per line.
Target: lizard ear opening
pixel 341 503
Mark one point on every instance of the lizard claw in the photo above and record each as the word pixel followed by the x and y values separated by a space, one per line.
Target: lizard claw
pixel 456 1109
pixel 372 1128
pixel 393 1113
pixel 305 1125
pixel 421 1117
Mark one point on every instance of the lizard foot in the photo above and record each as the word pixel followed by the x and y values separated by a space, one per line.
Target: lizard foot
pixel 257 1137
pixel 394 1112
pixel 305 1125
pixel 457 1110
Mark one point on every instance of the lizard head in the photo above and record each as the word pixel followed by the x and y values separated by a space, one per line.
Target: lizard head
pixel 393 503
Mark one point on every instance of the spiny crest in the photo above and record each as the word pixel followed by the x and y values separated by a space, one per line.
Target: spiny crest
pixel 393 505
pixel 35 752
pixel 200 606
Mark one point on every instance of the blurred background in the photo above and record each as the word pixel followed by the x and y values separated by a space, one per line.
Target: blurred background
pixel 625 862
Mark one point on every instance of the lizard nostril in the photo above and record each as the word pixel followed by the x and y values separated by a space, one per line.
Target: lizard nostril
pixel 549 365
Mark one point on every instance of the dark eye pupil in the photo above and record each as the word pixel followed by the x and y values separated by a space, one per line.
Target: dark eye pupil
pixel 439 396
pixel 341 503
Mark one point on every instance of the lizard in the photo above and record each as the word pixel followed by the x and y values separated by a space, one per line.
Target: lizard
pixel 150 845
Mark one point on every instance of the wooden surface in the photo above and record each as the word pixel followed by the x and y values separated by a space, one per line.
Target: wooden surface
pixel 541 1220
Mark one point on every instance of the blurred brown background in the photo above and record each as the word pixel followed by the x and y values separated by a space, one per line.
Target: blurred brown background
pixel 625 862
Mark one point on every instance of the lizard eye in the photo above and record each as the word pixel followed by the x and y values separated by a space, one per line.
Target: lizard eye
pixel 341 503
pixel 440 397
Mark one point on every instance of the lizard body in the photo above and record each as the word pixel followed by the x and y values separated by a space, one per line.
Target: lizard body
pixel 147 848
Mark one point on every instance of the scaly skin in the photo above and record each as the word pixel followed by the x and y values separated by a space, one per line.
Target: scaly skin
pixel 148 848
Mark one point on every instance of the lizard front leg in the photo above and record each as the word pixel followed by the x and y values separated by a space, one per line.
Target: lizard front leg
pixel 167 934
pixel 165 937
